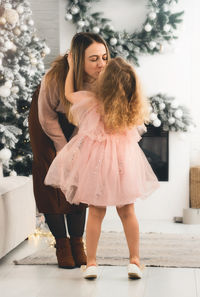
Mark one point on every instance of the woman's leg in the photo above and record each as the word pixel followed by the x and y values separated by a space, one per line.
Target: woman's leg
pixel 93 230
pixel 131 230
pixel 56 224
pixel 76 222
pixel 76 225
pixel 57 227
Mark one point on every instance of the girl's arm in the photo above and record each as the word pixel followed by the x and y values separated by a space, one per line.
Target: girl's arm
pixel 69 82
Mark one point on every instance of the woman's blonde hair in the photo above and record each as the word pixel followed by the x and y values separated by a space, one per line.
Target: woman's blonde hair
pixel 119 90
pixel 59 68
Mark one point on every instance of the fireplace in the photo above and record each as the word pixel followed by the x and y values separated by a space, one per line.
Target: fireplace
pixel 155 145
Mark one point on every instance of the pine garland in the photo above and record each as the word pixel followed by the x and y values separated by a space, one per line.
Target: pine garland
pixel 159 27
pixel 168 113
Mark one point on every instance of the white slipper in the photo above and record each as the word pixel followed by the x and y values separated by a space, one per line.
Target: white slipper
pixel 90 272
pixel 134 272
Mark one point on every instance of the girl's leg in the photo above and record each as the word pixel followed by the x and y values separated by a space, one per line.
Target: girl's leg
pixel 93 230
pixel 131 230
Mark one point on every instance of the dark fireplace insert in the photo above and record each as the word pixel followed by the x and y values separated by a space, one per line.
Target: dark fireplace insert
pixel 155 145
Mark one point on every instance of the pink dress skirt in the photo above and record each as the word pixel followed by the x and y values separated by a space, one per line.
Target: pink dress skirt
pixel 98 168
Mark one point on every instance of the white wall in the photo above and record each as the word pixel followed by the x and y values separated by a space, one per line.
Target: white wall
pixel 175 72
pixel 43 13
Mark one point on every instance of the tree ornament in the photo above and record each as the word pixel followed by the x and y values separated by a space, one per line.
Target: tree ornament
pixel 46 50
pixel 15 89
pixel 34 61
pixel 20 9
pixel 11 16
pixel 113 41
pixel 8 45
pixel 8 83
pixel 81 23
pixel 152 44
pixel 75 10
pixel 31 22
pixel 162 106
pixel 2 21
pixel 171 120
pixel 40 66
pixel 153 116
pixel 152 16
pixel 4 91
pixel 178 113
pixel 17 31
pixel 5 154
pixel 148 27
pixel 24 27
pixel 68 16
pixel 156 123
pixel 96 29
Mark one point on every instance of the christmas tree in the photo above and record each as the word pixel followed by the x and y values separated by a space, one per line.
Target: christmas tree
pixel 21 69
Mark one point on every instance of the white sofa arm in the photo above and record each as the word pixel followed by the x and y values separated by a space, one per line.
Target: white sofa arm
pixel 17 211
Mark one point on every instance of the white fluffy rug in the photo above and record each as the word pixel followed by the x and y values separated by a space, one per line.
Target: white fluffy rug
pixel 167 250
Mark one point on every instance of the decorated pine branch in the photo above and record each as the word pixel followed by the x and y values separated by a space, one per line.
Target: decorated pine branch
pixel 168 113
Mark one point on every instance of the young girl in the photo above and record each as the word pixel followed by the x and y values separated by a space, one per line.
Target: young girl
pixel 103 164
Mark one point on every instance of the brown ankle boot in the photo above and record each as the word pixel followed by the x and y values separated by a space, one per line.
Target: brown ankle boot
pixel 64 253
pixel 78 251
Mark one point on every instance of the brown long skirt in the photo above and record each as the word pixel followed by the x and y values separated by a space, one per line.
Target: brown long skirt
pixel 48 199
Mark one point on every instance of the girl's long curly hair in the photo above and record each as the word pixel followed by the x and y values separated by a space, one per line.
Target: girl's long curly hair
pixel 119 90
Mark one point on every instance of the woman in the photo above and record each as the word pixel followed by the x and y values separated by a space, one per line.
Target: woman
pixel 50 128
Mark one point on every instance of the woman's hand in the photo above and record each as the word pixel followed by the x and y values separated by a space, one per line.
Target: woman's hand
pixel 70 60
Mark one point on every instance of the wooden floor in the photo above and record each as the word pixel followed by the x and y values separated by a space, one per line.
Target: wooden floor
pixel 51 281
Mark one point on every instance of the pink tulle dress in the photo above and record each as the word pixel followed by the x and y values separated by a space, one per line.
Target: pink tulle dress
pixel 98 168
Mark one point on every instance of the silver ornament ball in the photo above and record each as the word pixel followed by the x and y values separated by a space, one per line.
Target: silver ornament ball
pixel 96 29
pixel 4 91
pixel 148 27
pixel 68 16
pixel 5 154
pixel 113 41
